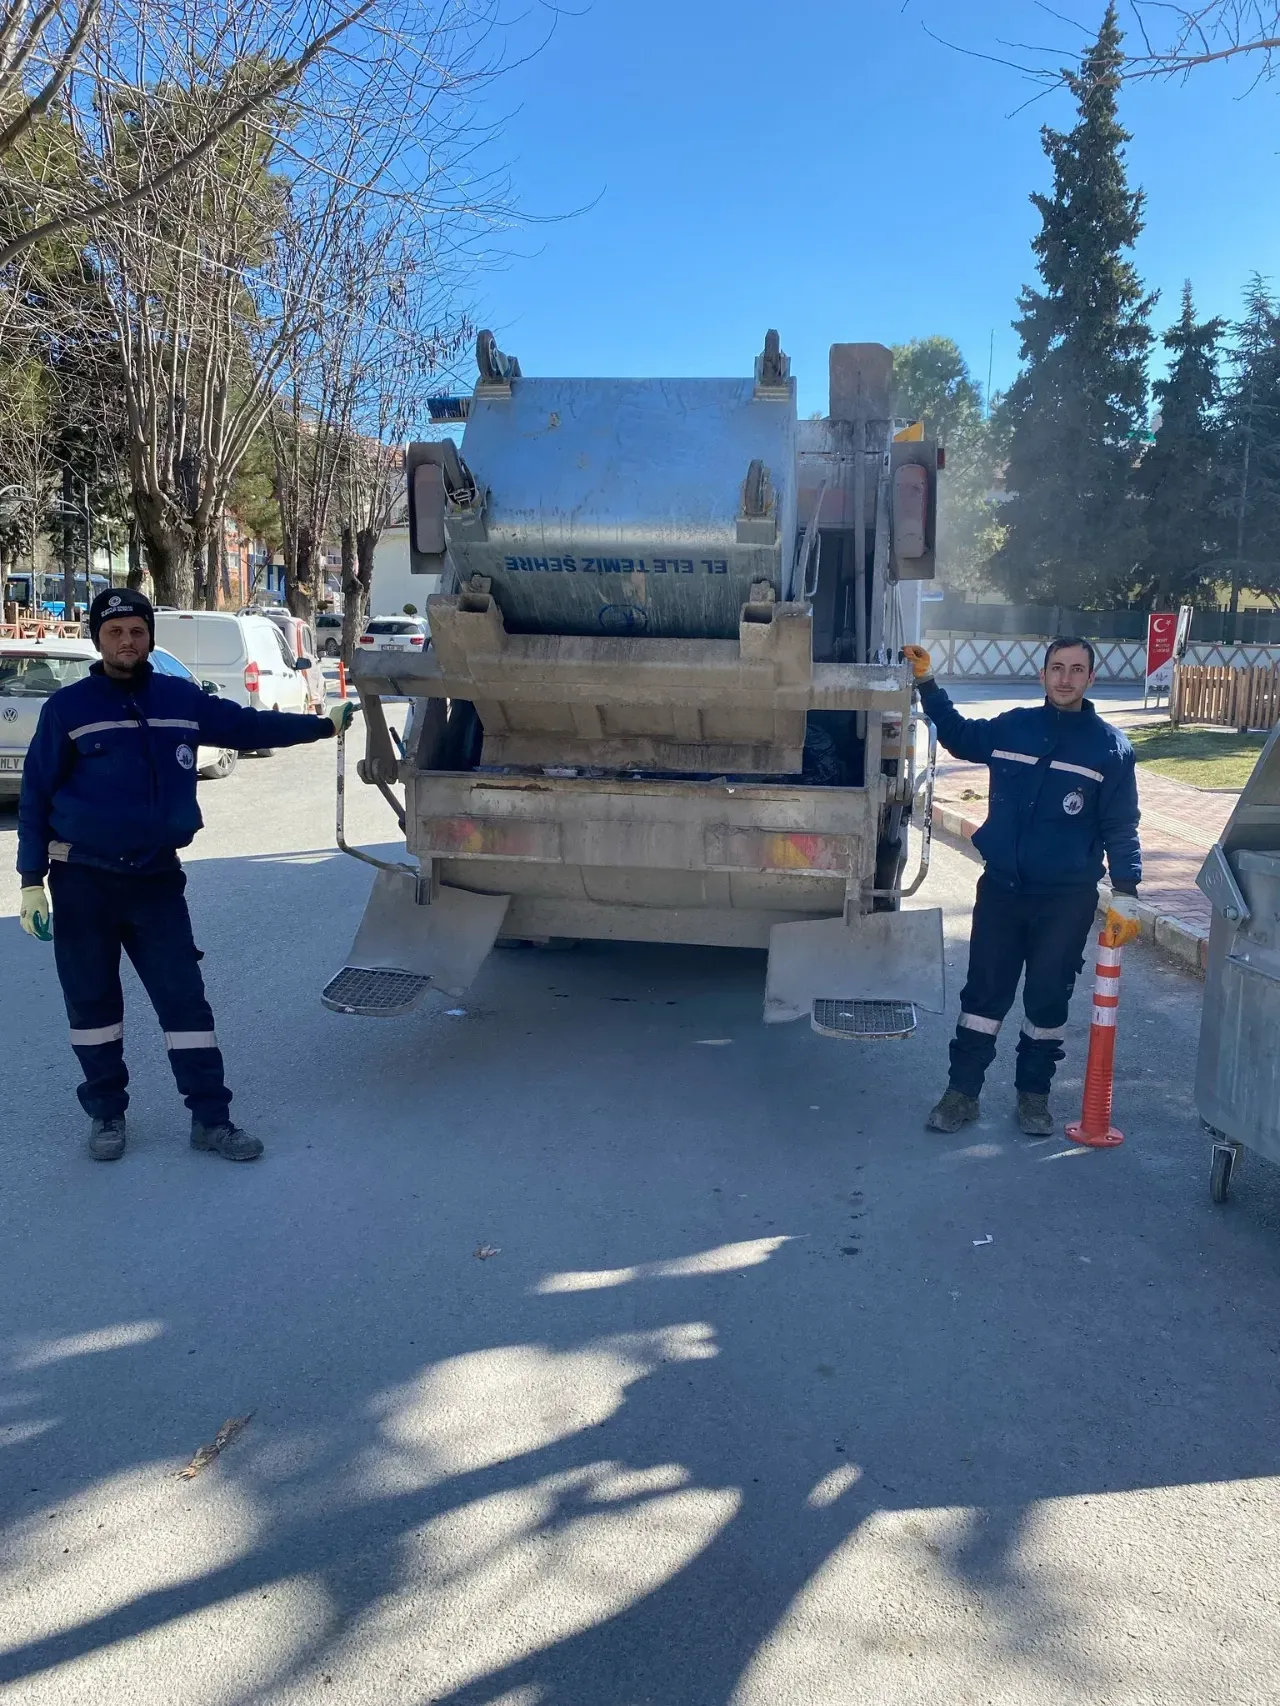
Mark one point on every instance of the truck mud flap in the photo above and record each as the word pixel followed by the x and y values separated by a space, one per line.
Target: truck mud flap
pixel 885 959
pixel 402 949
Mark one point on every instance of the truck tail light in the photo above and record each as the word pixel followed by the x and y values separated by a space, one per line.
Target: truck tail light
pixel 252 678
pixel 490 838
pixel 729 848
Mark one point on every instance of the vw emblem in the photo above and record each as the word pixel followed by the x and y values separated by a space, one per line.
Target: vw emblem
pixel 11 713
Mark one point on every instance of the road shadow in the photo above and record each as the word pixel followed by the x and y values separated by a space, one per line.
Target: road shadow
pixel 736 1328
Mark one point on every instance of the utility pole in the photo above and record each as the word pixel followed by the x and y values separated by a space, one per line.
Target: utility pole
pixel 68 560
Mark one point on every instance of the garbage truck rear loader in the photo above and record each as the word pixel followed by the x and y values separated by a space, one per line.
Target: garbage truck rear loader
pixel 662 700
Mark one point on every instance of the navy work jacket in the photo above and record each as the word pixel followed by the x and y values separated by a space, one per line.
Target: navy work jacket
pixel 110 776
pixel 1063 793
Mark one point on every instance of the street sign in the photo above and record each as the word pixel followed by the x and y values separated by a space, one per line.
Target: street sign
pixel 1162 633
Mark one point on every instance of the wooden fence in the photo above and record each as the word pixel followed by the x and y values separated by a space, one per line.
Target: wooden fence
pixel 42 628
pixel 1231 698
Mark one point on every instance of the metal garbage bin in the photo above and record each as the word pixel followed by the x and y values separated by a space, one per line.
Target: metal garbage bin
pixel 1238 1068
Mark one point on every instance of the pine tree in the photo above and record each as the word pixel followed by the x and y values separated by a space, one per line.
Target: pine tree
pixel 1177 476
pixel 1249 494
pixel 1077 410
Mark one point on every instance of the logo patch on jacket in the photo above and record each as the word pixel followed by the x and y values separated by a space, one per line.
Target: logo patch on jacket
pixel 186 758
pixel 1074 803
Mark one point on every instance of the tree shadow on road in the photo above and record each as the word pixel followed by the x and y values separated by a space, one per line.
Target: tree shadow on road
pixel 723 1350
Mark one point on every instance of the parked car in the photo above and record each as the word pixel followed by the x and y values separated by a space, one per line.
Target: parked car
pixel 396 634
pixel 212 762
pixel 246 656
pixel 329 633
pixel 30 670
pixel 302 643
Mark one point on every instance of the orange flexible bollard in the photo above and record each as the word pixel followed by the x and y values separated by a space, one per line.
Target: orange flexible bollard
pixel 1094 1126
pixel 342 679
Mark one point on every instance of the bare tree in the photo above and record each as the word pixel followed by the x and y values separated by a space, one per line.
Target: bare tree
pixel 41 54
pixel 1167 39
pixel 216 287
pixel 358 376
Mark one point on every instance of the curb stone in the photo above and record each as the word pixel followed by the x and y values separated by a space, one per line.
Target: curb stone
pixel 1183 942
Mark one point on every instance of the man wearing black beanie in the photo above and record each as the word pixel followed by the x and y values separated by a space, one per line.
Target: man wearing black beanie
pixel 108 797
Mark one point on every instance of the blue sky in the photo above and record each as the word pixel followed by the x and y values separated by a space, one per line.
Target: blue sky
pixel 823 166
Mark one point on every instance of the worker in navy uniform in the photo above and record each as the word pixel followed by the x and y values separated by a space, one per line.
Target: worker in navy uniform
pixel 108 798
pixel 1063 794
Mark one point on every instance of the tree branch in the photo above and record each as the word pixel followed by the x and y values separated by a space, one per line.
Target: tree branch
pixel 150 187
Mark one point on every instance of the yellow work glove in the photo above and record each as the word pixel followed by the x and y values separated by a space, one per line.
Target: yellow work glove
pixel 920 661
pixel 1121 925
pixel 340 716
pixel 35 913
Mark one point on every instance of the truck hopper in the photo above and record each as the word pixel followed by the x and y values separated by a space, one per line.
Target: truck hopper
pixel 662 700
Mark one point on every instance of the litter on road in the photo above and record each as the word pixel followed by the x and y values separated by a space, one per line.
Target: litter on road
pixel 221 1440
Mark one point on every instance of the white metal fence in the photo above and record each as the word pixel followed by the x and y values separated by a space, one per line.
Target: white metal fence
pixel 1010 657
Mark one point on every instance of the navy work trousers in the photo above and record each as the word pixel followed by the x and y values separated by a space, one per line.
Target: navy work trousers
pixel 1012 930
pixel 96 914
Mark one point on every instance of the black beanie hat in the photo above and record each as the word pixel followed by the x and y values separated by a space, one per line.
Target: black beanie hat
pixel 122 601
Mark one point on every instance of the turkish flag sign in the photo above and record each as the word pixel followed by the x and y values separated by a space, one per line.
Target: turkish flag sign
pixel 1162 631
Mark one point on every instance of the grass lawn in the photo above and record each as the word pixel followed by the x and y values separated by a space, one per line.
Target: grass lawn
pixel 1207 758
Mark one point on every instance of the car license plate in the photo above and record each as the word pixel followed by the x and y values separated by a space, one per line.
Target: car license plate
pixel 11 761
pixel 393 646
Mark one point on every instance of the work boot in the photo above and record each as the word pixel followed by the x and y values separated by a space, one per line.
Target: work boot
pixel 953 1111
pixel 226 1139
pixel 1033 1113
pixel 106 1139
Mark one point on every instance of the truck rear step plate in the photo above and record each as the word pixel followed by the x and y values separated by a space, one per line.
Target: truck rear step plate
pixel 374 994
pixel 864 1021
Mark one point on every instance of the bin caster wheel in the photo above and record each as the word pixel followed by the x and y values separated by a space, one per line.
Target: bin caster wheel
pixel 1224 1160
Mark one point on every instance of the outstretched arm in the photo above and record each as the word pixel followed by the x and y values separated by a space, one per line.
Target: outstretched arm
pixel 970 738
pixel 224 723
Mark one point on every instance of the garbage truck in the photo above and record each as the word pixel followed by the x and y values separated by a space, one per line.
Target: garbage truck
pixel 664 697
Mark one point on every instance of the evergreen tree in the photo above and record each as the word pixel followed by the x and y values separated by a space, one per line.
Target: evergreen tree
pixel 1249 500
pixel 1178 474
pixel 1077 410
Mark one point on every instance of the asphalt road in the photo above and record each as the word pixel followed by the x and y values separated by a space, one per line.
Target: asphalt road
pixel 739 1411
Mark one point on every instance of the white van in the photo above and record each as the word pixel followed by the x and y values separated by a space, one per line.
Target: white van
pixel 247 656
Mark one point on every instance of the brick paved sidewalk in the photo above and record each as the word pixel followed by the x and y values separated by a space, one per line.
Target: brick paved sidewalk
pixel 1179 825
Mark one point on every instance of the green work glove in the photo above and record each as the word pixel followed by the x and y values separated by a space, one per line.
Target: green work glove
pixel 35 913
pixel 340 716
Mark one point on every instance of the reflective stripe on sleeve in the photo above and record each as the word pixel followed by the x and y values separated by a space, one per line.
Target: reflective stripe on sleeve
pixel 102 1034
pixel 1076 769
pixel 172 723
pixel 1043 1033
pixel 190 1039
pixel 1017 757
pixel 97 728
pixel 975 1022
